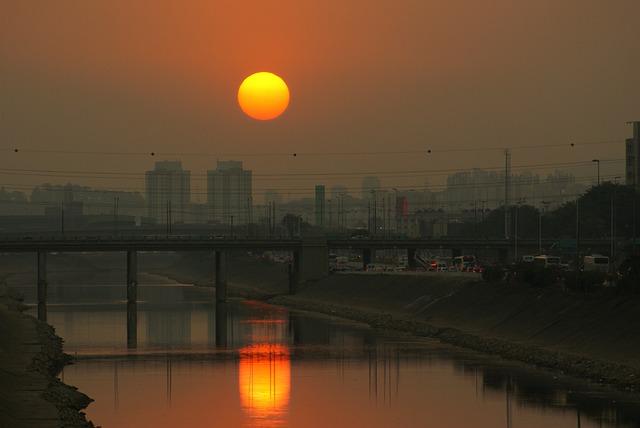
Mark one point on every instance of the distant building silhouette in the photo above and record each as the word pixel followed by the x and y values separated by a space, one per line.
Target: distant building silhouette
pixel 370 184
pixel 633 157
pixel 168 191
pixel 338 191
pixel 229 193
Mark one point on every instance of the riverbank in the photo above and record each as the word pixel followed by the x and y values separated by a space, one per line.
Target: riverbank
pixel 31 357
pixel 591 336
pixel 587 335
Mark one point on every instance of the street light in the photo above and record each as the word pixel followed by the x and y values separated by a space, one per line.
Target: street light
pixel 515 233
pixel 540 214
pixel 597 162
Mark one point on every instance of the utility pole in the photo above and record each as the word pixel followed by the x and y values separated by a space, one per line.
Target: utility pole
pixel 515 232
pixel 375 212
pixel 539 231
pixel 597 162
pixel 507 195
pixel 384 215
pixel 116 200
pixel 578 242
pixel 475 219
pixel 273 217
pixel 62 217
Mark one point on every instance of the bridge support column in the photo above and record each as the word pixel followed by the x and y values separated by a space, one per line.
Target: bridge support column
pixel 503 255
pixel 132 299
pixel 294 272
pixel 312 261
pixel 132 277
pixel 42 285
pixel 367 256
pixel 412 263
pixel 132 325
pixel 221 325
pixel 221 276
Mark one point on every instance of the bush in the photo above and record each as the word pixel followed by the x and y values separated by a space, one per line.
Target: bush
pixel 586 281
pixel 536 275
pixel 629 280
pixel 493 273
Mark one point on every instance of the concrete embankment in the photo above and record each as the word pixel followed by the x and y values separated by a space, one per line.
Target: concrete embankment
pixel 592 336
pixel 30 359
pixel 588 335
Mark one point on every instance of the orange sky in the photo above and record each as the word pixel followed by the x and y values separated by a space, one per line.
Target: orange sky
pixel 364 76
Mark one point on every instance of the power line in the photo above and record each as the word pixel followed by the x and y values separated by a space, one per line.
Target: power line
pixel 479 185
pixel 120 175
pixel 425 151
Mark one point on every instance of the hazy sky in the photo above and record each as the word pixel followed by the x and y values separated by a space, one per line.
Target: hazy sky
pixel 142 76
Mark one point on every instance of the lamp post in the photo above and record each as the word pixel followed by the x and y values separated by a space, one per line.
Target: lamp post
pixel 540 213
pixel 515 231
pixel 539 231
pixel 597 162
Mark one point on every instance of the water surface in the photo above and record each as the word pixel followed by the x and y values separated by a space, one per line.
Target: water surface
pixel 248 364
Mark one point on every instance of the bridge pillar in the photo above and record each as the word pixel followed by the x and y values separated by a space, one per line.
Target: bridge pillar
pixel 411 259
pixel 132 277
pixel 132 325
pixel 367 255
pixel 42 285
pixel 294 272
pixel 503 255
pixel 221 276
pixel 312 261
pixel 132 299
pixel 221 325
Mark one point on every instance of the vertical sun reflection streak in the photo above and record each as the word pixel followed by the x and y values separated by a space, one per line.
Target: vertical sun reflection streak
pixel 264 378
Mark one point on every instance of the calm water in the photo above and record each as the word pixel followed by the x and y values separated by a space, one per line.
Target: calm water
pixel 248 364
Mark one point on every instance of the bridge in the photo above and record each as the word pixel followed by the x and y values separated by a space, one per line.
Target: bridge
pixel 310 256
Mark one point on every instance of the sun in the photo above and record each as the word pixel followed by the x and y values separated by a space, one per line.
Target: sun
pixel 263 96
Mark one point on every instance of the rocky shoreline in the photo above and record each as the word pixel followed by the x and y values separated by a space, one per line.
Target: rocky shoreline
pixel 31 357
pixel 621 377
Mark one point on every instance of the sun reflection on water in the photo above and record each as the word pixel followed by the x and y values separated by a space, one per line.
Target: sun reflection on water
pixel 264 381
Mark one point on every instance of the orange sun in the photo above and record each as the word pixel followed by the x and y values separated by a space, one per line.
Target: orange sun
pixel 263 96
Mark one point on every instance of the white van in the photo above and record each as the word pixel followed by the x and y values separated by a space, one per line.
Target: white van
pixel 547 261
pixel 596 263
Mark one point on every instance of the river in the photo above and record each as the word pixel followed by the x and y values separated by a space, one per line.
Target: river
pixel 249 364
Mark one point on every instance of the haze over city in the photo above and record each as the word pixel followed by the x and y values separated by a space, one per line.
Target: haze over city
pixel 342 213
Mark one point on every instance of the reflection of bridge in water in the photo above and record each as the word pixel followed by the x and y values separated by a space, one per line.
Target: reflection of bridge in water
pixel 310 257
pixel 264 340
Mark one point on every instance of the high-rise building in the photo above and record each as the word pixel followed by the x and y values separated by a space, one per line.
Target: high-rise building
pixel 168 191
pixel 229 193
pixel 633 157
pixel 320 205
